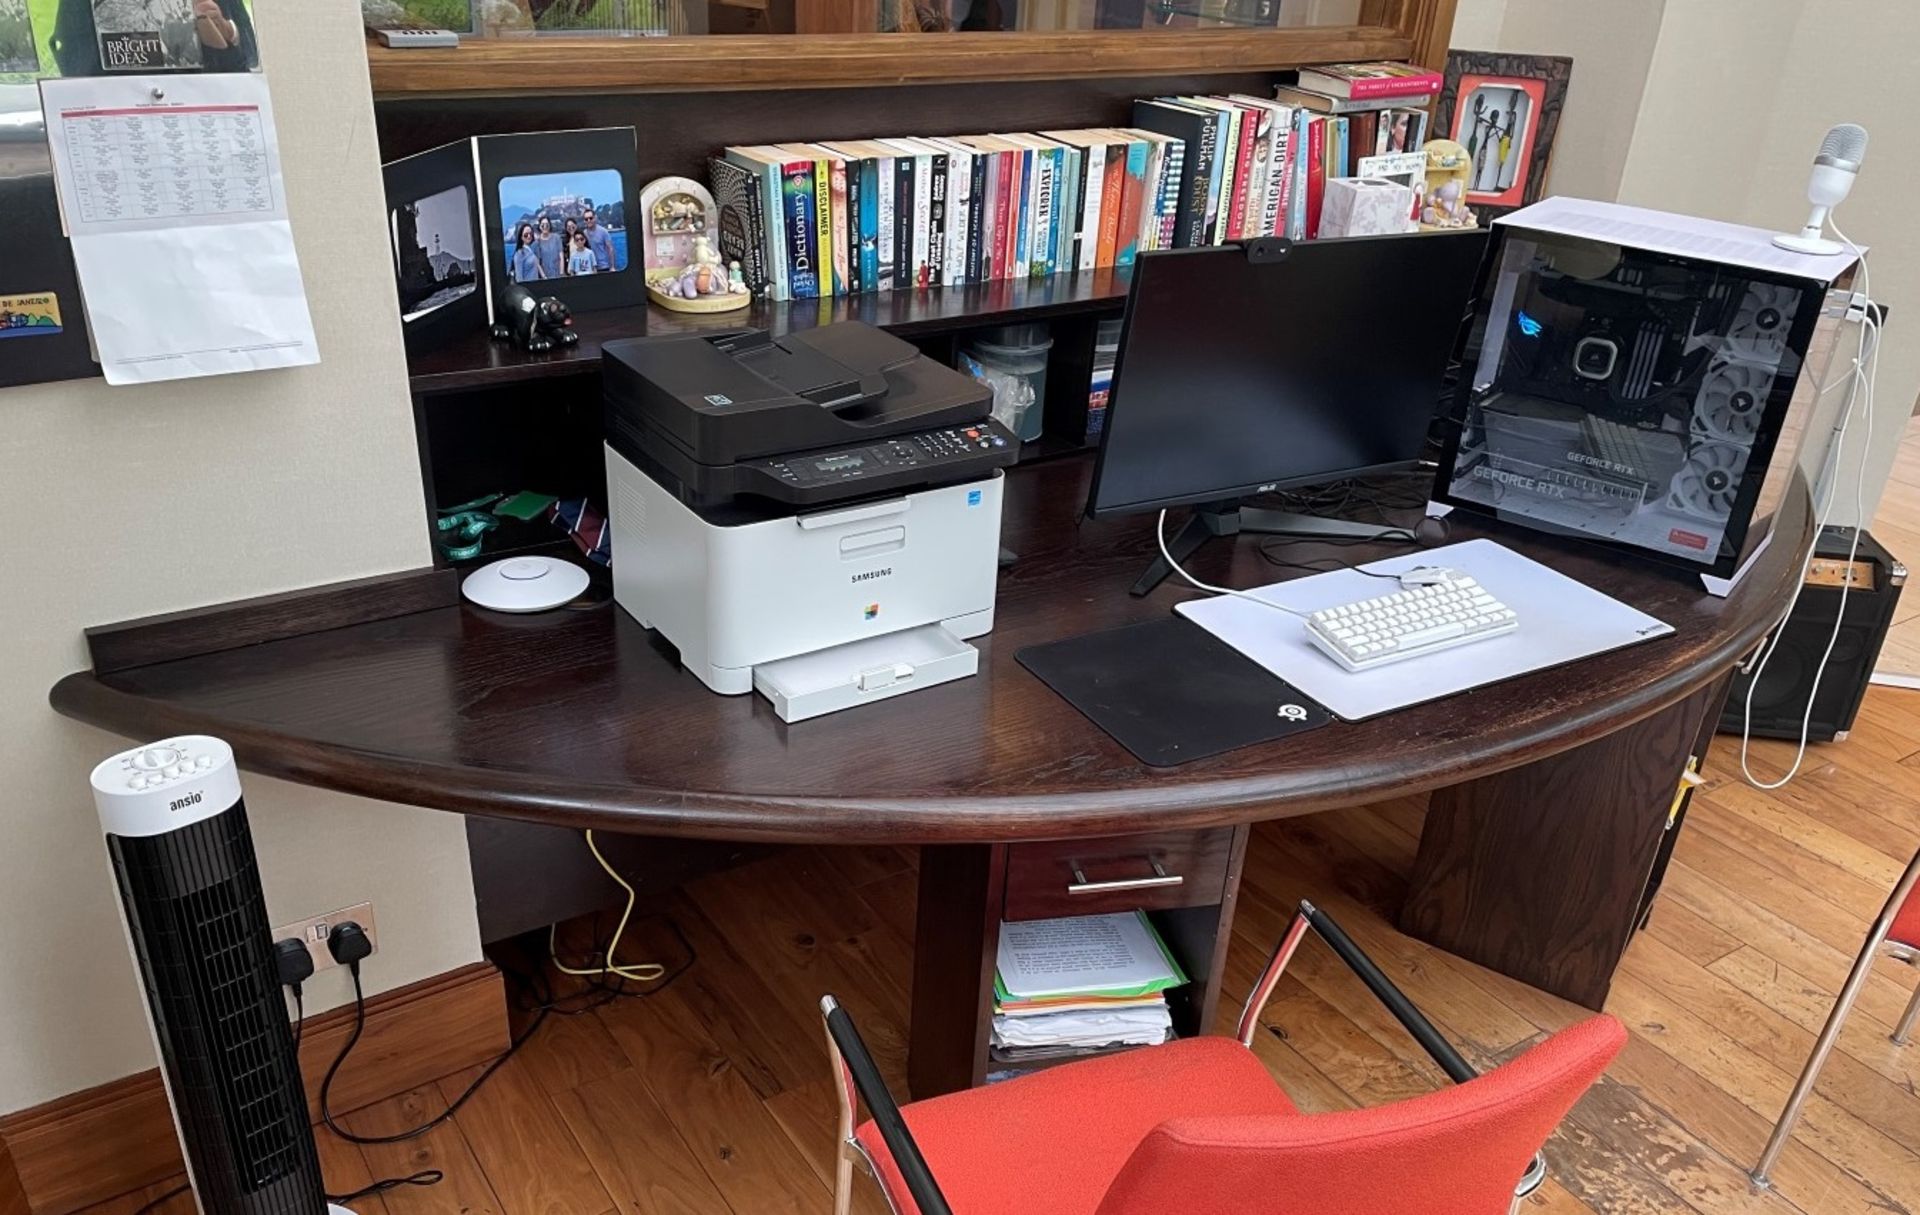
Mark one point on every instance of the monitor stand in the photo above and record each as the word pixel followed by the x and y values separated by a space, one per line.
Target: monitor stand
pixel 1230 519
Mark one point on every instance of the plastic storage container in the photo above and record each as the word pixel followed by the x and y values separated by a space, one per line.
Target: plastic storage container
pixel 1012 360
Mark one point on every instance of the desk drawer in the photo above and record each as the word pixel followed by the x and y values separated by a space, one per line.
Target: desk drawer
pixel 1117 873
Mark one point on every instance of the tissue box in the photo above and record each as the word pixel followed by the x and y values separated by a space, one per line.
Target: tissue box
pixel 1365 206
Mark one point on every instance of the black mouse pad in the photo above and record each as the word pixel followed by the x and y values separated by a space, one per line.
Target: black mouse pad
pixel 1170 692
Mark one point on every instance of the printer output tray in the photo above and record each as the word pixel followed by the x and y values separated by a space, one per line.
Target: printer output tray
pixel 873 668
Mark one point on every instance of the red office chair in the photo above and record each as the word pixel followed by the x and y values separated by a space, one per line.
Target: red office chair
pixel 1198 1127
pixel 1898 931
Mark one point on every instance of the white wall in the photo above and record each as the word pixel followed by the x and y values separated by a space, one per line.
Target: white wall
pixel 1739 95
pixel 131 501
pixel 1715 107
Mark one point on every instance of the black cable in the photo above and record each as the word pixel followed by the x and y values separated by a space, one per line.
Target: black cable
pixel 353 1039
pixel 299 1020
pixel 424 1177
pixel 163 1200
pixel 546 1007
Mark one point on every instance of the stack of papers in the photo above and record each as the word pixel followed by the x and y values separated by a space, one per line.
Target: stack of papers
pixel 1081 983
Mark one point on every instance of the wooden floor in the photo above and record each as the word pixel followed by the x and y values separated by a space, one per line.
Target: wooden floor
pixel 1897 525
pixel 713 1096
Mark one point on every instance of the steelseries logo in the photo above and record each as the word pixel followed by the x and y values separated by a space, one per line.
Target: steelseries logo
pixel 870 575
pixel 181 803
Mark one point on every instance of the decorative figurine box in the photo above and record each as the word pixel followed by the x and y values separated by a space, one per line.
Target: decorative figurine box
pixel 1645 380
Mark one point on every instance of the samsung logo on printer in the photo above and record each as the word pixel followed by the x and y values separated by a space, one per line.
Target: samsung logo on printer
pixel 181 803
pixel 870 575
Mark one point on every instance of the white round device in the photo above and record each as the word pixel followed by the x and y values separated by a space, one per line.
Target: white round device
pixel 524 584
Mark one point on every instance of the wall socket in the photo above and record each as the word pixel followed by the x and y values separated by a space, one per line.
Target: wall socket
pixel 312 932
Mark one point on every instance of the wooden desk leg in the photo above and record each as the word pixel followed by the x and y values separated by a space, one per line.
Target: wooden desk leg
pixel 1537 872
pixel 956 936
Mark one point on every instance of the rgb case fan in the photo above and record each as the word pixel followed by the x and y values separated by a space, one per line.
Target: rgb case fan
pixel 182 854
pixel 1708 484
pixel 1732 400
pixel 1763 321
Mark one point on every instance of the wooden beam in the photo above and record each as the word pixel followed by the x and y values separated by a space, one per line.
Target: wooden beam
pixel 506 67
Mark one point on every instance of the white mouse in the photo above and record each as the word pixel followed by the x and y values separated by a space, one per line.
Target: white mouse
pixel 1429 575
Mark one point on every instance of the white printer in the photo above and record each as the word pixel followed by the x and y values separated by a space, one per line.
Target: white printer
pixel 817 516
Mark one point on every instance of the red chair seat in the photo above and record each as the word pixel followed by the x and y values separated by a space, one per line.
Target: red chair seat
pixel 1906 922
pixel 1052 1142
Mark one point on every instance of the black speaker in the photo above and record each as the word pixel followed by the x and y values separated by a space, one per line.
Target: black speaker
pixel 1780 696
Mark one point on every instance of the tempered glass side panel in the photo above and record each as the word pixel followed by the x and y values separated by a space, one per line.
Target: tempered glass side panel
pixel 1630 397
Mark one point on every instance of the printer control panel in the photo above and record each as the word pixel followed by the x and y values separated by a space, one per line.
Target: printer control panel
pixel 930 457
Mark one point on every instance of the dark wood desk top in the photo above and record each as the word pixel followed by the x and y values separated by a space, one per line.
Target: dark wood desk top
pixel 580 718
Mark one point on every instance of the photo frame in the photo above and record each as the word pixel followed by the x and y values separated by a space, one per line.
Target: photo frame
pixel 433 229
pixel 1505 109
pixel 559 176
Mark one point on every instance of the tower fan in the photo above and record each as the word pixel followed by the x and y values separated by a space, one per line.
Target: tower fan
pixel 182 854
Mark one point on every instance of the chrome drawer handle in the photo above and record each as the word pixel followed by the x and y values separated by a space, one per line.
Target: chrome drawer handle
pixel 1080 884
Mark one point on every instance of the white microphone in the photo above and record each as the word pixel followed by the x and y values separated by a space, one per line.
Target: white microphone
pixel 1834 169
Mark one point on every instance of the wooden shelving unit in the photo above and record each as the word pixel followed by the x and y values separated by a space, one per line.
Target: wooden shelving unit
pixel 721 62
pixel 478 362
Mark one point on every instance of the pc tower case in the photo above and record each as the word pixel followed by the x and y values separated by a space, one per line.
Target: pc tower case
pixel 1635 393
pixel 176 831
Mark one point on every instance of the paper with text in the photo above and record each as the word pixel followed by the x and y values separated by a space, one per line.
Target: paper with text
pixel 171 190
pixel 1118 952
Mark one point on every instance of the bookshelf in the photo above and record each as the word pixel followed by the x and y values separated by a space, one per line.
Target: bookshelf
pixel 477 361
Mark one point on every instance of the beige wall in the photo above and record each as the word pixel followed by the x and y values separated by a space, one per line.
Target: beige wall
pixel 1611 45
pixel 1715 107
pixel 1739 96
pixel 137 500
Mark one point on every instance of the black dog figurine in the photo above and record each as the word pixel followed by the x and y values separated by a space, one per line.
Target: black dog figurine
pixel 534 324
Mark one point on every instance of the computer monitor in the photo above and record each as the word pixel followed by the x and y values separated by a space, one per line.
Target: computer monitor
pixel 1252 367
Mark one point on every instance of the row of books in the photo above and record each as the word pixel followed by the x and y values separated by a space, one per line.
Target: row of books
pixel 1259 166
pixel 843 217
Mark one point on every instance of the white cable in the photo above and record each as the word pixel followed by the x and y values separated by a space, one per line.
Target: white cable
pixel 1160 533
pixel 1865 372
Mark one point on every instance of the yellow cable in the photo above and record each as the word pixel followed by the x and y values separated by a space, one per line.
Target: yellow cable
pixel 642 972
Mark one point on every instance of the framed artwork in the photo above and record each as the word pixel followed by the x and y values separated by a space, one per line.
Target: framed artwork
pixel 433 218
pixel 1505 110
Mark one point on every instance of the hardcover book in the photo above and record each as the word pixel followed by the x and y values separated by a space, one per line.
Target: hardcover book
pixel 742 220
pixel 1133 201
pixel 1366 81
pixel 1195 128
pixel 804 271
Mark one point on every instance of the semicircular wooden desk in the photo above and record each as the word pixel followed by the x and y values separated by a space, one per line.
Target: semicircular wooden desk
pixel 1552 791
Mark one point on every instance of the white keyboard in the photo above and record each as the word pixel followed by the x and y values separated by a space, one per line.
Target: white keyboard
pixel 1371 633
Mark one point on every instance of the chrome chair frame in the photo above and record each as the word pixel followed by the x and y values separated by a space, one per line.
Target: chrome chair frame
pixel 856 1079
pixel 1876 943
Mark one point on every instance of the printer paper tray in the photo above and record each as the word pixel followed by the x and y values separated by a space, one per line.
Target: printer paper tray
pixel 873 668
